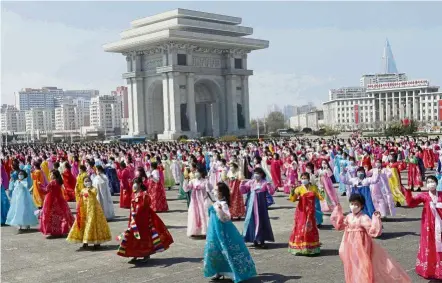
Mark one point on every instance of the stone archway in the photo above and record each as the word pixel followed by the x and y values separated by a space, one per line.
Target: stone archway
pixel 208 108
pixel 155 109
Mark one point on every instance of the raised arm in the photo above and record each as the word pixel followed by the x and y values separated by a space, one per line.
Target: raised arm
pixel 245 186
pixel 372 226
pixel 337 218
pixel 188 185
pixel 414 201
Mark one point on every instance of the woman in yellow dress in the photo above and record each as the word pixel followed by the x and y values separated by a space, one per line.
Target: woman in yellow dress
pixel 90 226
pixel 39 183
pixel 80 182
pixel 45 167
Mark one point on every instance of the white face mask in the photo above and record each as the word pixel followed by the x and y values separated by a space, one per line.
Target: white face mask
pixel 378 165
pixel 355 208
pixel 431 186
pixel 198 175
pixel 257 177
pixel 305 182
pixel 308 170
pixel 88 184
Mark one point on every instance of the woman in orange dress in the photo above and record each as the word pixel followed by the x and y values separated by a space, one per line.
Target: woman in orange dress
pixel 363 259
pixel 39 184
pixel 146 233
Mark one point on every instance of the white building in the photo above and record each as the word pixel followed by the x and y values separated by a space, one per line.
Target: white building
pixel 105 113
pixel 82 93
pixel 39 119
pixel 69 117
pixel 12 119
pixel 84 104
pixel 29 98
pixel 313 120
pixel 379 104
pixel 382 78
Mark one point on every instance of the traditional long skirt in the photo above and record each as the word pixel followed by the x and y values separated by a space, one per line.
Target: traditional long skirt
pixel 264 231
pixel 237 206
pixel 304 239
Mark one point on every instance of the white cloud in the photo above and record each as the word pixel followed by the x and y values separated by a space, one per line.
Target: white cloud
pixel 37 53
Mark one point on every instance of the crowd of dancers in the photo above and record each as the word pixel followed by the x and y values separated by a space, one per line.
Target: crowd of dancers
pixel 222 182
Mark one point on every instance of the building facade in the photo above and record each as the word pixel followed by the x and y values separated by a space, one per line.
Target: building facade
pixel 187 74
pixel 12 119
pixel 105 113
pixel 377 105
pixel 121 91
pixel 313 120
pixel 39 119
pixel 69 117
pixel 29 98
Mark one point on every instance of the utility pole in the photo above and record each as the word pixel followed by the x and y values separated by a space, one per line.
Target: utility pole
pixel 257 126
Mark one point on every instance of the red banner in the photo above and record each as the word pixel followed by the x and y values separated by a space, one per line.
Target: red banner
pixel 356 109
pixel 440 110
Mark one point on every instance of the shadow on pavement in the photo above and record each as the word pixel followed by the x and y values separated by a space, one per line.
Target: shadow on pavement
pixel 329 252
pixel 326 227
pixel 281 207
pixel 391 235
pixel 172 211
pixel 402 219
pixel 119 219
pixel 28 231
pixel 272 277
pixel 176 227
pixel 166 262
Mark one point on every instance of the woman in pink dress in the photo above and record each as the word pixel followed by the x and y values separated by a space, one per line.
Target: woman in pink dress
pixel 275 170
pixel 291 180
pixel 429 256
pixel 325 184
pixel 363 259
pixel 197 217
pixel 75 166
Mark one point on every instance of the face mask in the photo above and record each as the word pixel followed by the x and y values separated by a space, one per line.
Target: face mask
pixel 324 166
pixel 378 165
pixel 361 175
pixel 431 186
pixel 355 208
pixel 308 170
pixel 352 163
pixel 21 177
pixel 88 184
pixel 198 175
pixel 304 182
pixel 256 176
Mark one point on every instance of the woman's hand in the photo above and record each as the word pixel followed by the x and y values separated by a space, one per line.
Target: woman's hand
pixel 377 214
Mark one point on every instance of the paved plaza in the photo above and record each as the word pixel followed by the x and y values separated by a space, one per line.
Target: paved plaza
pixel 30 257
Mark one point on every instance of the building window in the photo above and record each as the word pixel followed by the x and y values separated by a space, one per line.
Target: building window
pixel 238 63
pixel 182 59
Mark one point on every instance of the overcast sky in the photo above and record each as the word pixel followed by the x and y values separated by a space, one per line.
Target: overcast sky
pixel 314 46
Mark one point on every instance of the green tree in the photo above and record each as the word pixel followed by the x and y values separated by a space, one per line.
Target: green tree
pixel 275 120
pixel 254 125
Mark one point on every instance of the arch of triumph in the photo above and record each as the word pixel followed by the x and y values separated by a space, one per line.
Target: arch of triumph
pixel 187 74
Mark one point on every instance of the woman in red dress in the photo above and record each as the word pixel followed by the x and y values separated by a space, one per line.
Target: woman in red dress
pixel 146 233
pixel 124 175
pixel 156 191
pixel 429 256
pixel 275 170
pixel 237 206
pixel 69 182
pixel 56 218
pixel 428 157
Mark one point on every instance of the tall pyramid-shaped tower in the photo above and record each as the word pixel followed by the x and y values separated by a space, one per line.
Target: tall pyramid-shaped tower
pixel 388 62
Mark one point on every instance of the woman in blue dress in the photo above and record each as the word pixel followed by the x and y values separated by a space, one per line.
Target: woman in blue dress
pixel 225 253
pixel 4 196
pixel 257 227
pixel 22 210
pixel 361 185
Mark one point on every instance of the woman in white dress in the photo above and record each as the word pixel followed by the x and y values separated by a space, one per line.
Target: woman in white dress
pixel 104 195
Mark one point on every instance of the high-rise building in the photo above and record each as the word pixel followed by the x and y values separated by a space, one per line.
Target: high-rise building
pixel 288 111
pixel 84 104
pixel 12 119
pixel 105 113
pixel 69 117
pixel 122 92
pixel 388 62
pixel 29 98
pixel 39 119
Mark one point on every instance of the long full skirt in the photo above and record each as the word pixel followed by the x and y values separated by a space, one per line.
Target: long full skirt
pixel 125 197
pixel 304 239
pixel 158 197
pixel 22 209
pixel 154 238
pixel 366 261
pixel 414 176
pixel 90 226
pixel 237 206
pixel 56 218
pixel 5 205
pixel 264 231
pixel 396 187
pixel 225 252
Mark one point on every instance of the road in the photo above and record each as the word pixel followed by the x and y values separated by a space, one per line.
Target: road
pixel 31 257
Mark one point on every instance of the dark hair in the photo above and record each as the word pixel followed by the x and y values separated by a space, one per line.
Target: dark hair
pixel 357 197
pixel 58 177
pixel 261 172
pixel 25 174
pixel 305 174
pixel 154 165
pixel 202 171
pixel 310 166
pixel 56 165
pixel 122 164
pixel 139 181
pixel 432 178
pixel 258 159
pixel 82 168
pixel 100 168
pixel 67 166
pixel 225 191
